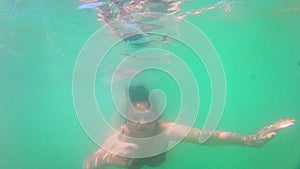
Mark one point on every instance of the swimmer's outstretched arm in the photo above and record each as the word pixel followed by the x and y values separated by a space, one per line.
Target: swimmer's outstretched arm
pixel 224 137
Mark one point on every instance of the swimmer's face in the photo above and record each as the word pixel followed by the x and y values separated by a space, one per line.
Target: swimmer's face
pixel 141 120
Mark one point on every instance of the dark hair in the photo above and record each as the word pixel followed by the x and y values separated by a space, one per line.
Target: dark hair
pixel 138 93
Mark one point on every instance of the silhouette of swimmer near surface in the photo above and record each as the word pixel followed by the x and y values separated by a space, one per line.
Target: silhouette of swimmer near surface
pixel 117 151
pixel 120 14
pixel 90 5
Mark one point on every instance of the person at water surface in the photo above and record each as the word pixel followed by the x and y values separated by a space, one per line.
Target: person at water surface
pixel 142 122
pixel 132 20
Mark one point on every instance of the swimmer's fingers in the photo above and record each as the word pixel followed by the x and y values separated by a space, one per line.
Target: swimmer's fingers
pixel 281 124
pixel 121 155
pixel 87 164
pixel 126 149
pixel 93 160
pixel 269 132
pixel 120 161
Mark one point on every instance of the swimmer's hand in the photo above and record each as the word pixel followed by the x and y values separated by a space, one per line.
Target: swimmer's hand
pixel 119 153
pixel 268 132
pixel 113 152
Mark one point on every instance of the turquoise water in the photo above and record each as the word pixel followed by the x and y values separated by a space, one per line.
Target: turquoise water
pixel 258 43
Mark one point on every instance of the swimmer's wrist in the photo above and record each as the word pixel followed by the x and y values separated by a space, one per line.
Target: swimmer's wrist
pixel 252 140
pixel 247 140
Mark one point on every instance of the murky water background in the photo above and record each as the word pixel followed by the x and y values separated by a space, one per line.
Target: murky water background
pixel 258 43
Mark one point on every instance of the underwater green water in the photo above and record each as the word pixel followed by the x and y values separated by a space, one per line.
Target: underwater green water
pixel 258 44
